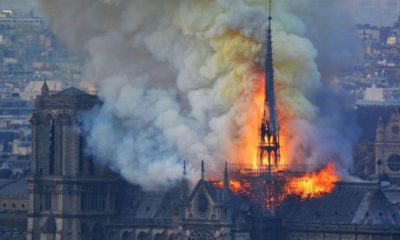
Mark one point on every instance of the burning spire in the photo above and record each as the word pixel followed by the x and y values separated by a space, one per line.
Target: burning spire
pixel 268 149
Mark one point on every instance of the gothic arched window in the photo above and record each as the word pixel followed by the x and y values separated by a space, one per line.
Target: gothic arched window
pixel 86 159
pixel 82 146
pixel 172 237
pixel 143 236
pixel 91 164
pixel 98 232
pixel 85 232
pixel 59 132
pixel 52 145
pixel 159 236
pixel 126 236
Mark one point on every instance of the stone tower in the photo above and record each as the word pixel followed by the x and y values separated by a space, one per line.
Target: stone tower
pixel 70 197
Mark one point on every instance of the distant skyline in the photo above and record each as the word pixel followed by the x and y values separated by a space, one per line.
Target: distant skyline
pixel 376 12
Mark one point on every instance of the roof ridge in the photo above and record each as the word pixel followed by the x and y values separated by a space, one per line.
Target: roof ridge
pixel 72 91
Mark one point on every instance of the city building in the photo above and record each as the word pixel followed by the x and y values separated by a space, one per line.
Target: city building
pixel 12 18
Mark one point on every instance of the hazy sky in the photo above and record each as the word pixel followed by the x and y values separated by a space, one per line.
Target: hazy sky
pixel 15 3
pixel 379 12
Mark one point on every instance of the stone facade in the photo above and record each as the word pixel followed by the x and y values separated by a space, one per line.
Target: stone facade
pixel 68 192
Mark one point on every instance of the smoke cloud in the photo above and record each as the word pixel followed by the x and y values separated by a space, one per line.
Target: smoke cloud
pixel 181 80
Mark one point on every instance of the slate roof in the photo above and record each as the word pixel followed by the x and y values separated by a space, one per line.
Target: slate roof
pixel 348 204
pixel 168 204
pixel 72 91
pixel 13 188
pixel 136 203
pixel 70 97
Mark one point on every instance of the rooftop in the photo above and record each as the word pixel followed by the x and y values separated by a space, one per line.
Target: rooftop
pixel 348 204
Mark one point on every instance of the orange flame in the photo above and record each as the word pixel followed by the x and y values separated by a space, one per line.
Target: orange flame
pixel 245 152
pixel 314 184
pixel 306 186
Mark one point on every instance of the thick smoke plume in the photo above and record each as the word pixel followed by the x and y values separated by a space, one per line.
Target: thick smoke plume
pixel 181 80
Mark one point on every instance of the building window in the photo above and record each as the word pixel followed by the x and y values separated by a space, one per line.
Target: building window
pixel 81 153
pixel 48 200
pixel 86 160
pixel 59 143
pixel 52 145
pixel 394 163
pixel 83 202
pixel 91 165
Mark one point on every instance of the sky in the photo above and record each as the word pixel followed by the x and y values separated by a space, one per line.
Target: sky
pixel 376 12
pixel 15 3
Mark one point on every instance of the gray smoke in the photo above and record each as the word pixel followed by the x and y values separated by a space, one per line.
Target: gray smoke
pixel 177 77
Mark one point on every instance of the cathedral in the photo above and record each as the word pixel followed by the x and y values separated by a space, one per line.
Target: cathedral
pixel 71 197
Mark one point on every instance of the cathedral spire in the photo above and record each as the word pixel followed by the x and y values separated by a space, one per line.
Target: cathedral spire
pixel 268 147
pixel 45 89
pixel 269 77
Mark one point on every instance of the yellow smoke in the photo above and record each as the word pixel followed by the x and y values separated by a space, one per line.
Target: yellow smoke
pixel 238 61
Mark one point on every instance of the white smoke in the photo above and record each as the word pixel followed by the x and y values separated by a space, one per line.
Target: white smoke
pixel 176 78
